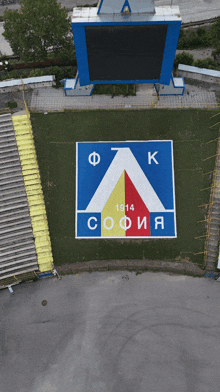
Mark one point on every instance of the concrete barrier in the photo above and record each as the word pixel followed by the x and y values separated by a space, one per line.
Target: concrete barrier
pixel 14 85
pixel 202 74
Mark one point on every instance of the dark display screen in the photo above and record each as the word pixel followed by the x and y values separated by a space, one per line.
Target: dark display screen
pixel 125 52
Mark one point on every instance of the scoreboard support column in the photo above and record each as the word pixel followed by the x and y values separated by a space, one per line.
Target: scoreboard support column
pixel 72 88
pixel 176 87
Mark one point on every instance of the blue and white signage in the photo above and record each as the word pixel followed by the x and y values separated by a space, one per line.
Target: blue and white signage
pixel 125 190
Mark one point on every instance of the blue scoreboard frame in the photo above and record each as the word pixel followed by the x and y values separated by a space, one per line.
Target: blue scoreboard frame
pixel 173 29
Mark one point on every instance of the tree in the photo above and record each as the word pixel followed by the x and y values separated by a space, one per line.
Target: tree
pixel 36 27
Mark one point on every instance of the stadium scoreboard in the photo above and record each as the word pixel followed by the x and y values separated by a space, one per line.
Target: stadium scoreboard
pixel 113 48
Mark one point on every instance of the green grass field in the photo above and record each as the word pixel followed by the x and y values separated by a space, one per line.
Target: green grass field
pixel 55 137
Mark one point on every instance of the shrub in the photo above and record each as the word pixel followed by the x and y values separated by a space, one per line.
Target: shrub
pixel 208 63
pixel 182 40
pixel 14 74
pixel 11 104
pixel 36 72
pixel 69 72
pixel 183 58
pixel 57 71
pixel 10 75
pixel 24 75
pixel 4 77
pixel 115 89
pixel 193 39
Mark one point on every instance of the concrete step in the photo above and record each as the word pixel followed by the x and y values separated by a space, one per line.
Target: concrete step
pixel 212 242
pixel 6 127
pixel 216 210
pixel 14 207
pixel 214 220
pixel 5 117
pixel 11 181
pixel 5 166
pixel 213 233
pixel 18 249
pixel 211 258
pixel 214 239
pixel 20 272
pixel 26 233
pixel 12 187
pixel 13 203
pixel 210 267
pixel 13 212
pixel 12 195
pixel 212 252
pixel 6 146
pixel 12 246
pixel 16 265
pixel 6 184
pixel 10 172
pixel 8 153
pixel 213 230
pixel 22 256
pixel 14 268
pixel 15 219
pixel 11 161
pixel 215 214
pixel 15 223
pixel 15 228
pixel 215 223
pixel 7 136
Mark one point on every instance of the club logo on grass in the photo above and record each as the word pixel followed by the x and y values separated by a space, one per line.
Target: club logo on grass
pixel 125 190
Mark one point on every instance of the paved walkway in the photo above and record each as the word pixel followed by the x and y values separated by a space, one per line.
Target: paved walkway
pixel 51 99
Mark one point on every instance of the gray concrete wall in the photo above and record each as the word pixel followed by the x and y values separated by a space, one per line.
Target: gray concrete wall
pixel 11 89
pixel 199 76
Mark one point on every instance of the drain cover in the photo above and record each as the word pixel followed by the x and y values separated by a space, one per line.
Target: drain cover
pixel 44 302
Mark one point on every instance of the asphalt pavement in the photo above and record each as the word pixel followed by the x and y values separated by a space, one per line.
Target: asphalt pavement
pixel 111 332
